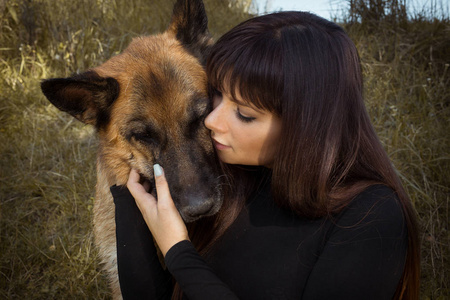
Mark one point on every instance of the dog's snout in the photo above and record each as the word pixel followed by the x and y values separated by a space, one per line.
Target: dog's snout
pixel 197 208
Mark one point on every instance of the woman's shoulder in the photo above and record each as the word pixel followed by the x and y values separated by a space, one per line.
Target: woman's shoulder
pixel 378 197
pixel 376 205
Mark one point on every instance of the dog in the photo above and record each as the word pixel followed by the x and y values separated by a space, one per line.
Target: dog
pixel 148 105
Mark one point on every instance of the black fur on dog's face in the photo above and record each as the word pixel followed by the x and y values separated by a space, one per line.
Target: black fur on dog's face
pixel 148 105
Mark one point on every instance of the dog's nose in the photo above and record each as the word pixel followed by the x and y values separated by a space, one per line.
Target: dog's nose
pixel 196 208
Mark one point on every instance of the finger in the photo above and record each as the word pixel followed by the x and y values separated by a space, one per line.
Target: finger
pixel 134 182
pixel 138 190
pixel 162 188
pixel 133 177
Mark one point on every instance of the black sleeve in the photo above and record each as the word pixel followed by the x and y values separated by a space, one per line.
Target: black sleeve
pixel 365 254
pixel 196 279
pixel 141 275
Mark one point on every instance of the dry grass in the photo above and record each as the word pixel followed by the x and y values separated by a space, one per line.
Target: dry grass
pixel 47 159
pixel 408 97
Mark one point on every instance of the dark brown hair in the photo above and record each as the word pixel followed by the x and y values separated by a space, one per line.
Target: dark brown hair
pixel 307 71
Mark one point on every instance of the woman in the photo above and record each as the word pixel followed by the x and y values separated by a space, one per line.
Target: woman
pixel 313 208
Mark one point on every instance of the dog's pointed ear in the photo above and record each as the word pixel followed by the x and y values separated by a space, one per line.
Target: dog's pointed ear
pixel 190 25
pixel 85 96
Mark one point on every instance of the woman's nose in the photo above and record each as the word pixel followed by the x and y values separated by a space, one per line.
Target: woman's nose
pixel 215 121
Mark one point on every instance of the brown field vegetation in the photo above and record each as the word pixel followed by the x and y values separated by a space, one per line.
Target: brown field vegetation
pixel 47 159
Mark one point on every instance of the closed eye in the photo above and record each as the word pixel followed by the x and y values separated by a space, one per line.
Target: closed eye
pixel 145 137
pixel 243 118
pixel 143 133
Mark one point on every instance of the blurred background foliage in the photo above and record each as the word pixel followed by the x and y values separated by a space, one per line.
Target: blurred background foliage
pixel 47 160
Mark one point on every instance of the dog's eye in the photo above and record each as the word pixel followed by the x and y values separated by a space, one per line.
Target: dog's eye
pixel 145 137
pixel 142 132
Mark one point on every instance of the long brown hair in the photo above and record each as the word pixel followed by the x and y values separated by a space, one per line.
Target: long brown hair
pixel 307 71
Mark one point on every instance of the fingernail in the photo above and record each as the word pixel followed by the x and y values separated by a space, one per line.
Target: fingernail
pixel 157 170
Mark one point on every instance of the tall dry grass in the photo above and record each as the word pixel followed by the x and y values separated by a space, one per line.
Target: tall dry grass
pixel 406 65
pixel 47 173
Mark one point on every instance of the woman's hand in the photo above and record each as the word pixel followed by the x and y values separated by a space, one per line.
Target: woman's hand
pixel 161 215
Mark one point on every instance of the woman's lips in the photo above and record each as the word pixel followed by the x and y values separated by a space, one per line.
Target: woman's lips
pixel 220 146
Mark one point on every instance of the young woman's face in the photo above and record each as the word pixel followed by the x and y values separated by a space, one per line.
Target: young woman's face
pixel 242 134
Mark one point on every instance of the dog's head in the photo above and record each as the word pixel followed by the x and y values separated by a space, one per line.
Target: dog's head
pixel 148 105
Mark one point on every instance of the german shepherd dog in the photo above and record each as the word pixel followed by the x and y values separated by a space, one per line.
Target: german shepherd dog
pixel 148 105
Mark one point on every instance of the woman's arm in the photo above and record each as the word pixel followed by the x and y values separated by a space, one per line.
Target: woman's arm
pixel 365 254
pixel 141 275
pixel 196 278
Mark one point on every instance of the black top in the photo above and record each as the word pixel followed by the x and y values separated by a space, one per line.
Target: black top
pixel 270 253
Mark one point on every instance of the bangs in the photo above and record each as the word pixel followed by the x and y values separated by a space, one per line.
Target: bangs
pixel 249 67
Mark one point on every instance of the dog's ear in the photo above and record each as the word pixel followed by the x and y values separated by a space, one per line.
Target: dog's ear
pixel 85 96
pixel 190 25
